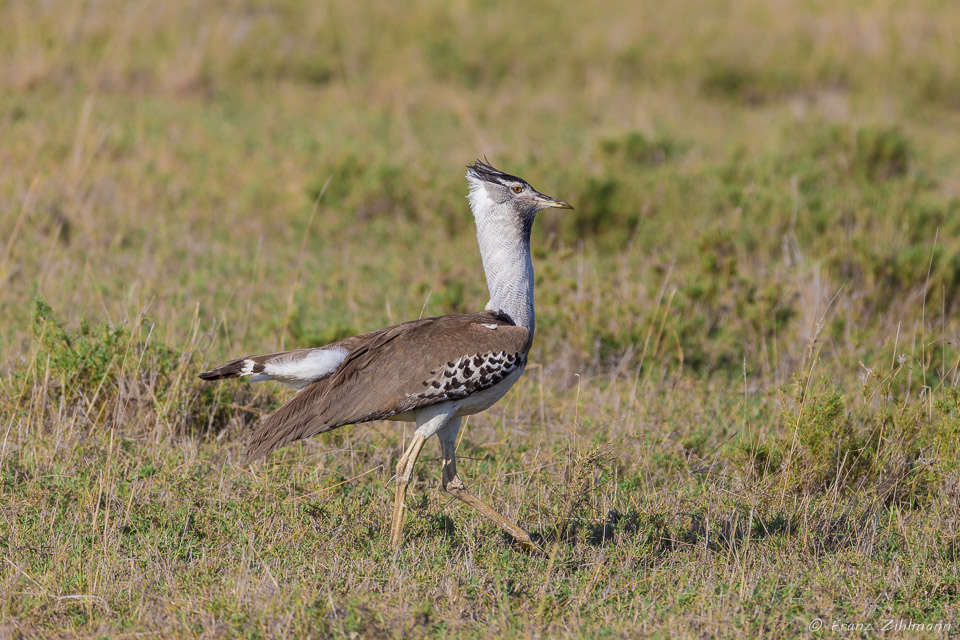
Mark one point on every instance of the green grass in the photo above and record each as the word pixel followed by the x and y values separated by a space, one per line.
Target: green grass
pixel 742 413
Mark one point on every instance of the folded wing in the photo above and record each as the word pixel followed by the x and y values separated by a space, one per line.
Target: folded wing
pixel 400 369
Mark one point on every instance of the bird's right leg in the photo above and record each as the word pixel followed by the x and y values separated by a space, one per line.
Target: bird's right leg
pixel 453 485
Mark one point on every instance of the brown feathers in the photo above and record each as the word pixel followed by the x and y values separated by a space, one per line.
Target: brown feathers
pixel 393 371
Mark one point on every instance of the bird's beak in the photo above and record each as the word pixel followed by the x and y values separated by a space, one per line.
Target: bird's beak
pixel 547 202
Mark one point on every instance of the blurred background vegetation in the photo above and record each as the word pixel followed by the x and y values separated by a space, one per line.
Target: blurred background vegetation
pixel 766 234
pixel 757 157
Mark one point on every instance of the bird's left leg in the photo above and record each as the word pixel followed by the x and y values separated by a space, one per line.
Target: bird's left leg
pixel 429 421
pixel 453 485
pixel 404 475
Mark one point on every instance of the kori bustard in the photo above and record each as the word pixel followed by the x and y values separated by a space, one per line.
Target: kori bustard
pixel 431 371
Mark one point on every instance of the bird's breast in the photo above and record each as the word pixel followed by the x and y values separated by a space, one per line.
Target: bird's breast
pixel 475 402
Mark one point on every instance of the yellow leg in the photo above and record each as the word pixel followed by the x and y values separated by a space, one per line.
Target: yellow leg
pixel 404 474
pixel 453 485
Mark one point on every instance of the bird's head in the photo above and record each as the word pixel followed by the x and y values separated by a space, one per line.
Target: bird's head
pixel 491 188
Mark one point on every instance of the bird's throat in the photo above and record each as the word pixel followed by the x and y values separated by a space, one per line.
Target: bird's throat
pixel 505 250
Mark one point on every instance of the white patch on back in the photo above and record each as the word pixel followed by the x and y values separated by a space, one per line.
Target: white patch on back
pixel 317 364
pixel 247 367
pixel 489 326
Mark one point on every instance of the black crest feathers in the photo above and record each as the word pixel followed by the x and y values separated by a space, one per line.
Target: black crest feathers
pixel 486 172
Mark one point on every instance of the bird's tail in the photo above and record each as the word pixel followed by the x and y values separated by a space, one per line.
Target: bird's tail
pixel 232 369
pixel 297 368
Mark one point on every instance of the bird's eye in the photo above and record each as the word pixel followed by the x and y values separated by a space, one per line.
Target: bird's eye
pixel 517 188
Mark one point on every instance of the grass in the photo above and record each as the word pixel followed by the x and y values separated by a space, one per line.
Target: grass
pixel 742 415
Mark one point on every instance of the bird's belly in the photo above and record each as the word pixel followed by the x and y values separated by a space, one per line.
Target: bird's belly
pixel 485 399
pixel 474 403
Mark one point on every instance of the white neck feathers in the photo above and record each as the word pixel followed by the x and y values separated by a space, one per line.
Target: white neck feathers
pixel 505 249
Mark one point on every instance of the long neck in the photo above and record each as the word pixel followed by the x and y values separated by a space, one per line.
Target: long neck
pixel 505 250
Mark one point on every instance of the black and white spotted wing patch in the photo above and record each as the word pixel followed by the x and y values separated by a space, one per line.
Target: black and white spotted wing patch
pixel 469 374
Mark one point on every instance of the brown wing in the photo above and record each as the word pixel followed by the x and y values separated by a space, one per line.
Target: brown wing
pixel 406 367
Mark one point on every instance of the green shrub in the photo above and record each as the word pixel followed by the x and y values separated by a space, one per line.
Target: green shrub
pixel 882 153
pixel 637 149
